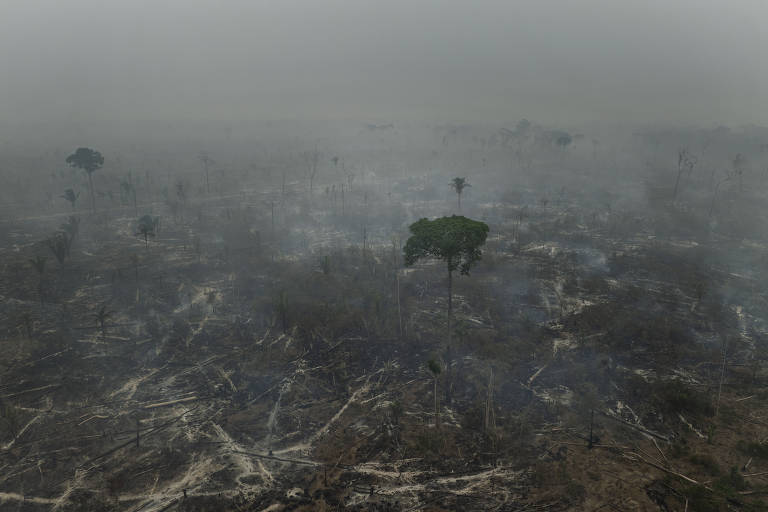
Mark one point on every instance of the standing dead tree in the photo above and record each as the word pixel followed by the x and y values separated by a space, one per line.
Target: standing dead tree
pixel 685 164
pixel 207 161
pixel 311 159
pixel 101 316
pixel 435 369
pixel 729 175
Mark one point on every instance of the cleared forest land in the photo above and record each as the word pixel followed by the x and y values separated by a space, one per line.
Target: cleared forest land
pixel 267 349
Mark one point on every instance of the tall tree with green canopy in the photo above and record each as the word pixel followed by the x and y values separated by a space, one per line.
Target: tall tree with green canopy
pixel 456 240
pixel 90 161
pixel 459 184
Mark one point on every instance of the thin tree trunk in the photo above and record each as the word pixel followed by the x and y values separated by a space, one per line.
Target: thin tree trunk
pixel 449 358
pixel 399 312
pixel 722 376
pixel 677 183
pixel 488 403
pixel 93 196
pixel 437 409
pixel 714 196
pixel 450 305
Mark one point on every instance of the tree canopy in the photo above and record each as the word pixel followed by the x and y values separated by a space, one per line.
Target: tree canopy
pixel 86 159
pixel 455 240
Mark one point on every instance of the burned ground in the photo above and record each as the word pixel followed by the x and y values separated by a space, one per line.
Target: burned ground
pixel 251 360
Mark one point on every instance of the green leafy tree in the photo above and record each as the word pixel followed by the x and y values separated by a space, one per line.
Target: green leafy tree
pixel 70 196
pixel 459 184
pixel 89 161
pixel 456 240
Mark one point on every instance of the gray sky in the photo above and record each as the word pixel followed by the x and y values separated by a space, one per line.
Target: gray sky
pixel 678 61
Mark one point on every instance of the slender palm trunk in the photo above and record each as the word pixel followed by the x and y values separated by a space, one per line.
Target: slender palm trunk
pixel 449 354
pixel 714 196
pixel 459 196
pixel 93 195
pixel 677 183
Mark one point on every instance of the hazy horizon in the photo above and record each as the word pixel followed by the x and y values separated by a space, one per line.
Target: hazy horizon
pixel 685 62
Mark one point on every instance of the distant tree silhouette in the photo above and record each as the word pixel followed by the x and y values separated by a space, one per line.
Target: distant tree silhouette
pixel 89 161
pixel 58 244
pixel 459 184
pixel 147 227
pixel 101 316
pixel 207 161
pixel 685 163
pixel 311 159
pixel 70 196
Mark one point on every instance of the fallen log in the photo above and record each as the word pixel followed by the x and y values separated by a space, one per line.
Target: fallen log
pixel 172 402
pixel 639 428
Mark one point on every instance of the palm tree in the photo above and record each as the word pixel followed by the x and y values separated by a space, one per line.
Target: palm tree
pixel 459 184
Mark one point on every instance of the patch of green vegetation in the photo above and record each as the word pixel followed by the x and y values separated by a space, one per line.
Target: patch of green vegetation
pixel 723 494
pixel 753 449
pixel 672 397
pixel 679 449
pixel 707 462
